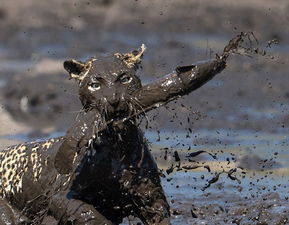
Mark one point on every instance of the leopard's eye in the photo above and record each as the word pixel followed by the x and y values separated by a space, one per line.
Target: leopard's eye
pixel 94 86
pixel 125 80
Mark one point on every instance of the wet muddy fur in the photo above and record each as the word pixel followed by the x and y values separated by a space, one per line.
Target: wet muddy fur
pixel 102 170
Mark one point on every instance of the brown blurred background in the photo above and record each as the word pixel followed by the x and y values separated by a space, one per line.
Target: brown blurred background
pixel 36 36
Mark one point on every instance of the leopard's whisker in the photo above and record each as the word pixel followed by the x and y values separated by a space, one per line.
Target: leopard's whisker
pixel 141 108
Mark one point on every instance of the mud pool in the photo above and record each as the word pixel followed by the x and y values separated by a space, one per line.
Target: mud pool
pixel 261 183
pixel 259 195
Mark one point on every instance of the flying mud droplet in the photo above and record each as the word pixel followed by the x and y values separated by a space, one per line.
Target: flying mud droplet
pixel 195 154
pixel 247 44
pixel 177 157
pixel 217 176
pixel 190 167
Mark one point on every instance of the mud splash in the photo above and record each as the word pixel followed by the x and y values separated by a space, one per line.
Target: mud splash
pixel 232 48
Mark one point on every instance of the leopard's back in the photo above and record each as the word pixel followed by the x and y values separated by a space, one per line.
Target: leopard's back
pixel 27 161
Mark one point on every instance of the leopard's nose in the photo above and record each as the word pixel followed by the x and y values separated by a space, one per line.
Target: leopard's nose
pixel 113 100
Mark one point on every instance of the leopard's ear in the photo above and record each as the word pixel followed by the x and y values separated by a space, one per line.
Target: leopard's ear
pixel 77 69
pixel 132 59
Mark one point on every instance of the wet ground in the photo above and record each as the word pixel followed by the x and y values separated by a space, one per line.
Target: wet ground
pixel 241 116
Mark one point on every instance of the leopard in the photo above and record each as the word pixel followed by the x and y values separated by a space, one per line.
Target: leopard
pixel 101 170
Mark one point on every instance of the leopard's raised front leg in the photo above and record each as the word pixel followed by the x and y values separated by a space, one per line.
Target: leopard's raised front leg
pixel 182 81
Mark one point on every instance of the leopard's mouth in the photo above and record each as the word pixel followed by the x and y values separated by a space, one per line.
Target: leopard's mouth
pixel 117 113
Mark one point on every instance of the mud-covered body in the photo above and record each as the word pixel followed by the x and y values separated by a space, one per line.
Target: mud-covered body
pixel 109 176
pixel 102 170
pixel 120 177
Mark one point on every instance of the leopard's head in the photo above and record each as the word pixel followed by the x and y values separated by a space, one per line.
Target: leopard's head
pixel 107 83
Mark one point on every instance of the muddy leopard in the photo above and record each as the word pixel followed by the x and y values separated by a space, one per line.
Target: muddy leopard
pixel 102 170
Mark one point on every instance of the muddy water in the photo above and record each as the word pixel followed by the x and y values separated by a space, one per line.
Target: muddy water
pixel 259 196
pixel 241 117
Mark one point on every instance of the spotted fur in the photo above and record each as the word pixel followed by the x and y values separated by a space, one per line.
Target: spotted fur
pixel 15 161
pixel 13 164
